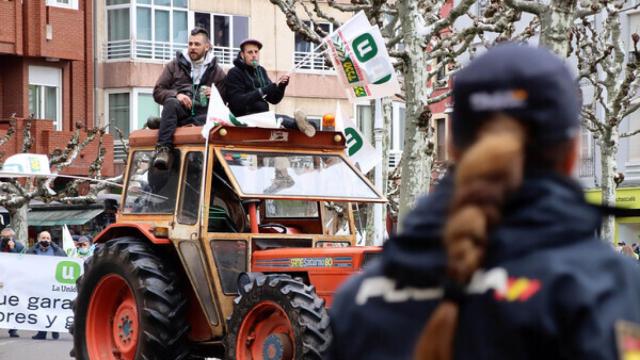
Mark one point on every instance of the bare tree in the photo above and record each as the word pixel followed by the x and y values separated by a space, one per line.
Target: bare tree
pixel 15 194
pixel 603 65
pixel 422 37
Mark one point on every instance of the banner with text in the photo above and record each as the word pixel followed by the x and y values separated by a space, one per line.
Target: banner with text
pixel 36 291
pixel 359 54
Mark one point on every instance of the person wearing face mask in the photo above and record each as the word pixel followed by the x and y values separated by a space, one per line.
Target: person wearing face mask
pixel 83 248
pixel 250 91
pixel 44 246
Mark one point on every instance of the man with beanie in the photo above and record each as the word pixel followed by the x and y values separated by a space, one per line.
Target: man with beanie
pixel 44 246
pixel 183 90
pixel 250 91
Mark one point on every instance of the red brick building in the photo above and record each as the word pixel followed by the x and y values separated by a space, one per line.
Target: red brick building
pixel 46 69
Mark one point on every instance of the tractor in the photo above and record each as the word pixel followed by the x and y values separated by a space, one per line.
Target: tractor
pixel 234 251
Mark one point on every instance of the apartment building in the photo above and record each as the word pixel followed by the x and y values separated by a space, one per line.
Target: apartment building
pixel 46 69
pixel 135 38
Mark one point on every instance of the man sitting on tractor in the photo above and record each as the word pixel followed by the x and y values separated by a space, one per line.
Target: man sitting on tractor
pixel 183 89
pixel 249 89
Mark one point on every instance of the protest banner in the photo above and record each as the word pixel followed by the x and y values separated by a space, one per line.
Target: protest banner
pixel 359 150
pixel 36 291
pixel 359 55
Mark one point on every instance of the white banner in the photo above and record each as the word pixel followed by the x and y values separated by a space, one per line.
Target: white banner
pixel 360 151
pixel 359 54
pixel 36 291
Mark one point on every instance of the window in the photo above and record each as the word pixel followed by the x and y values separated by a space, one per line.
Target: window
pixel 146 107
pixel 70 4
pixel 45 94
pixel 227 32
pixel 634 27
pixel 191 186
pixel 129 109
pixel 441 140
pixel 441 75
pixel 307 56
pixel 150 190
pixel 160 27
pixel 397 126
pixel 397 134
pixel 118 33
pixel 364 116
pixel 264 174
pixel 587 168
pixel 316 120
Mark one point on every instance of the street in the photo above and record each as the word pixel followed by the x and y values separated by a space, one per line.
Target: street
pixel 24 348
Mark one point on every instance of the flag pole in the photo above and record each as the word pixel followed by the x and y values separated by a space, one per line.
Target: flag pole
pixel 378 221
pixel 308 57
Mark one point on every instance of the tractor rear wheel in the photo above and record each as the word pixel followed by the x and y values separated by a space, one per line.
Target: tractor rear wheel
pixel 277 318
pixel 129 305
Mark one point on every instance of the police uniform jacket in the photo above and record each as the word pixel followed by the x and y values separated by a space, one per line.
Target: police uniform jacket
pixel 550 289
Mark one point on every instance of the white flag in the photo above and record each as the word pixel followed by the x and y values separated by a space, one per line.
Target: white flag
pixel 67 240
pixel 359 150
pixel 218 114
pixel 359 54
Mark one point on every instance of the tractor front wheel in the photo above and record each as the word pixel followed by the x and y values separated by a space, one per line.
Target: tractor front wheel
pixel 129 305
pixel 278 318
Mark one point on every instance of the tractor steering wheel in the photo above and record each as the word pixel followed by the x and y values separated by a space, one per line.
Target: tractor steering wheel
pixel 281 228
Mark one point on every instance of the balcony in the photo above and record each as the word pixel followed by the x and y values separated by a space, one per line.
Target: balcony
pixel 310 61
pixel 123 50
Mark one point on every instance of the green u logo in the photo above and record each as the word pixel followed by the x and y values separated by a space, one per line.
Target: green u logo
pixel 67 272
pixel 365 47
pixel 353 140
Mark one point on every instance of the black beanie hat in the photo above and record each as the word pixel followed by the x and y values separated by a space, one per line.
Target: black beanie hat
pixel 528 83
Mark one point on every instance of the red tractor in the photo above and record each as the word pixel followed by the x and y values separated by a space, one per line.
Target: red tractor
pixel 234 251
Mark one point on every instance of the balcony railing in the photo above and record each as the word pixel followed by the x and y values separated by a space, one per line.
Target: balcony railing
pixel 310 61
pixel 141 49
pixel 158 50
pixel 225 55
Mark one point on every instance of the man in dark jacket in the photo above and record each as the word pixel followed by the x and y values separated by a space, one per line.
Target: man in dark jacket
pixel 8 244
pixel 183 90
pixel 250 91
pixel 44 246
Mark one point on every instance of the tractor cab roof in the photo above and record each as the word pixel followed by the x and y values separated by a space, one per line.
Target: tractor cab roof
pixel 244 136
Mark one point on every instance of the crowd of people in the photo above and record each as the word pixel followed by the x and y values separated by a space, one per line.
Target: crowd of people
pixel 82 248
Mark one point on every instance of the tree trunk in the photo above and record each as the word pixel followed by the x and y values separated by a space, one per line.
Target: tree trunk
pixel 387 114
pixel 608 187
pixel 19 223
pixel 416 169
pixel 555 26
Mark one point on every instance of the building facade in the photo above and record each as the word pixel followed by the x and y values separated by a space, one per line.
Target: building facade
pixel 135 38
pixel 47 69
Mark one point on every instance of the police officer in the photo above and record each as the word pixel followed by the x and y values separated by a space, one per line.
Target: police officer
pixel 500 261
